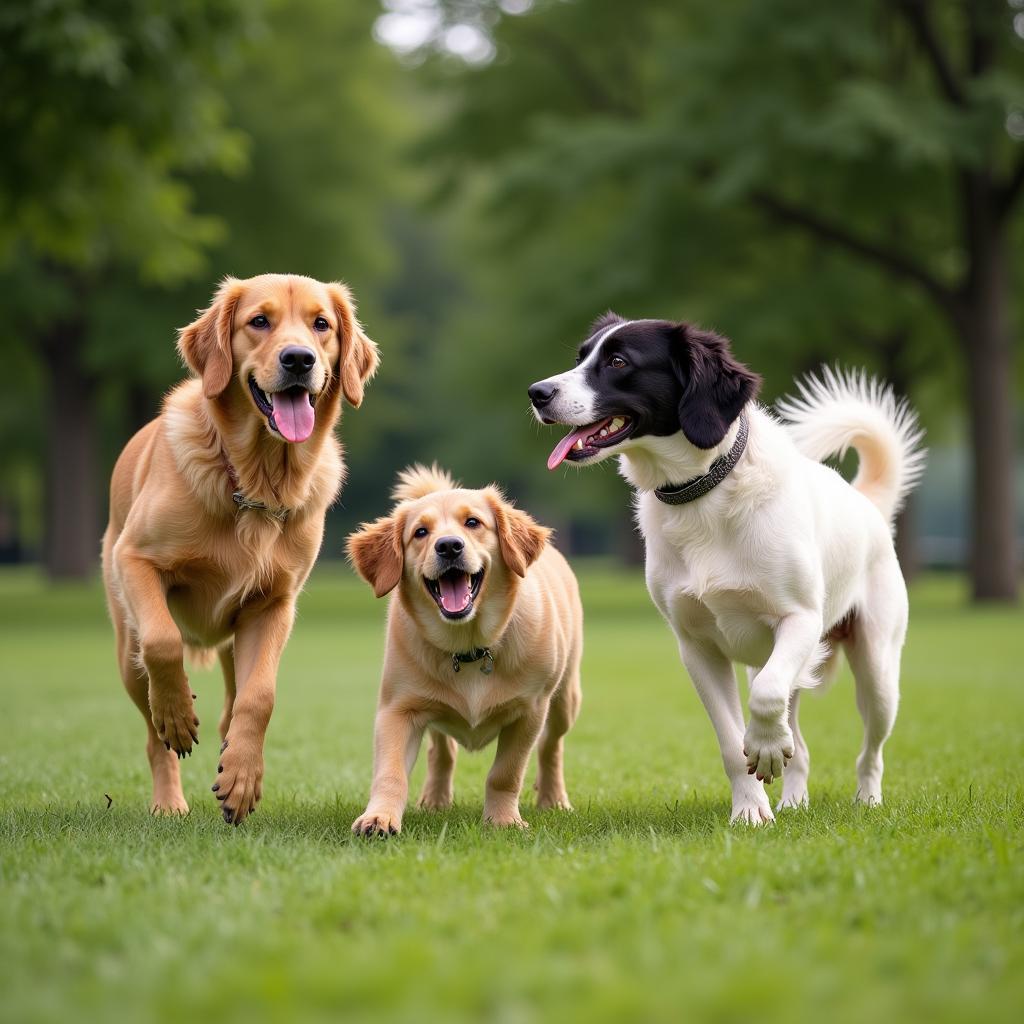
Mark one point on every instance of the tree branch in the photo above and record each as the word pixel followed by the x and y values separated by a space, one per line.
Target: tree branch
pixel 916 13
pixel 872 252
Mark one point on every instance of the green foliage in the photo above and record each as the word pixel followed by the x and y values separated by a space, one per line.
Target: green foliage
pixel 281 126
pixel 105 105
pixel 642 905
pixel 662 160
pixel 648 157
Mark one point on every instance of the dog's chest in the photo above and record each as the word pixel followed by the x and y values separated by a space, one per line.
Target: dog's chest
pixel 203 605
pixel 477 708
pixel 205 595
pixel 707 600
pixel 738 628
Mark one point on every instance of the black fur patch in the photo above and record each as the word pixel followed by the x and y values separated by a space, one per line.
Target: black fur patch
pixel 676 377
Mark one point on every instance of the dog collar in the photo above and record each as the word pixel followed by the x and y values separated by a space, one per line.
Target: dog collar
pixel 468 657
pixel 243 503
pixel 720 469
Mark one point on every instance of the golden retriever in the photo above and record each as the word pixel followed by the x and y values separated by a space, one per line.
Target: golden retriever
pixel 484 639
pixel 217 514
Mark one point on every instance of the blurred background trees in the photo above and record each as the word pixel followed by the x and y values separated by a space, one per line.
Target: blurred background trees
pixel 104 112
pixel 822 182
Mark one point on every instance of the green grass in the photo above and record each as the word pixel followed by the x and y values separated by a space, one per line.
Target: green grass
pixel 642 905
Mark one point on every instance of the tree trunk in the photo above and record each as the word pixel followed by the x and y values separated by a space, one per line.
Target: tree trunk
pixel 985 335
pixel 994 565
pixel 72 496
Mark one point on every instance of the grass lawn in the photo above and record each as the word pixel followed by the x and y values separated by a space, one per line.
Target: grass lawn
pixel 642 905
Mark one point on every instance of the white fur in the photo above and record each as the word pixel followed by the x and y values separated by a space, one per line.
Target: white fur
pixel 839 411
pixel 761 568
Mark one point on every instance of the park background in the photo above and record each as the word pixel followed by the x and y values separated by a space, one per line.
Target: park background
pixel 834 183
pixel 822 182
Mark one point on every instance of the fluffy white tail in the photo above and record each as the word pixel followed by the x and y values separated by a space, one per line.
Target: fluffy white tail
pixel 839 410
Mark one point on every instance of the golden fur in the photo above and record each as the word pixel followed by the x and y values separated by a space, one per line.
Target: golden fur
pixel 184 565
pixel 527 612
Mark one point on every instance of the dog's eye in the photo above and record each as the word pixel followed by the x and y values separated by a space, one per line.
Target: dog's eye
pixel 617 363
pixel 472 522
pixel 260 322
pixel 420 531
pixel 321 324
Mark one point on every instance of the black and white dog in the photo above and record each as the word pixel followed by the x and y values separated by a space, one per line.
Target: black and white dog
pixel 756 552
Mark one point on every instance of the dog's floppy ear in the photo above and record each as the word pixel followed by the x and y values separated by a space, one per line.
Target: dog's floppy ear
pixel 715 386
pixel 376 552
pixel 205 345
pixel 359 356
pixel 520 538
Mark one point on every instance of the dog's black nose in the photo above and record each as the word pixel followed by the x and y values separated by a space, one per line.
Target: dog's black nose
pixel 297 359
pixel 449 547
pixel 542 393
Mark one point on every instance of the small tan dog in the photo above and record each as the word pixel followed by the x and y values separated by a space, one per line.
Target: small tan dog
pixel 217 514
pixel 484 640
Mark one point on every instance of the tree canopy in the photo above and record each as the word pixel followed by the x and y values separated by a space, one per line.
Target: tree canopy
pixel 820 182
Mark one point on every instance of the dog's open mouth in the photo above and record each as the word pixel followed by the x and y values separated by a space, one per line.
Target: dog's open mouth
pixel 585 442
pixel 290 412
pixel 455 591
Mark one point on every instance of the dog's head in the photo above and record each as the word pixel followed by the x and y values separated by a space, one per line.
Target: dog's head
pixel 287 342
pixel 636 378
pixel 452 550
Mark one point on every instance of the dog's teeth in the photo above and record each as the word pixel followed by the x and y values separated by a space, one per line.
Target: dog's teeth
pixel 579 444
pixel 616 423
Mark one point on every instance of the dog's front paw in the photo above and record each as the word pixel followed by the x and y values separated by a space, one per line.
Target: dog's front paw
pixel 768 747
pixel 378 823
pixel 174 718
pixel 750 805
pixel 239 784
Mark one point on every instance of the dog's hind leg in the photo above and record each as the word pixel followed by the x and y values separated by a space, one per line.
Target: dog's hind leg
pixel 562 712
pixel 168 797
pixel 876 671
pixel 439 785
pixel 794 780
pixel 873 651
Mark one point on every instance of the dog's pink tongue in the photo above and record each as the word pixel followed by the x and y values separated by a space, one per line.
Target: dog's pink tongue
pixel 564 446
pixel 293 414
pixel 454 591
